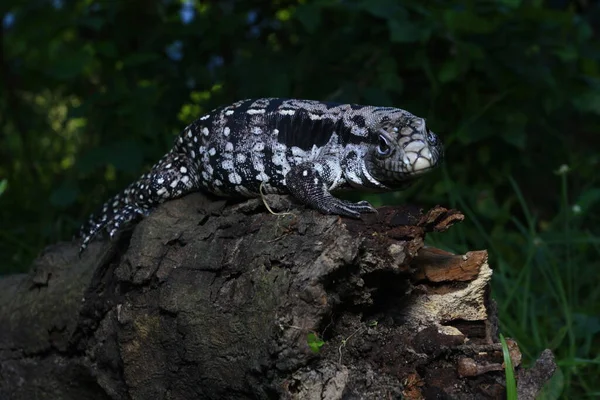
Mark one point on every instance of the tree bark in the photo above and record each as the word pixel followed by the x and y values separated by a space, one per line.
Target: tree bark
pixel 207 301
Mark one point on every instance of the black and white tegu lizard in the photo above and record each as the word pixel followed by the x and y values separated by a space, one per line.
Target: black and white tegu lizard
pixel 304 148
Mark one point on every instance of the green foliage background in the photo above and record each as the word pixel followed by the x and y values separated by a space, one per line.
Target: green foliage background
pixel 93 92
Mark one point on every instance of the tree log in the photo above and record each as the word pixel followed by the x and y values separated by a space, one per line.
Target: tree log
pixel 207 301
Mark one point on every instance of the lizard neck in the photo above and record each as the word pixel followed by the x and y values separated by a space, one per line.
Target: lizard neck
pixel 355 168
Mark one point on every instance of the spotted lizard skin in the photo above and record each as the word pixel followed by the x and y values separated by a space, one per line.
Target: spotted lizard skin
pixel 305 148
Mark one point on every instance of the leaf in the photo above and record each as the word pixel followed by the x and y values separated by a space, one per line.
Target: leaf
pixel 95 23
pixel 588 101
pixel 404 31
pixel 449 71
pixel 65 195
pixel 511 3
pixel 475 130
pixel 310 16
pixel 92 159
pixel 383 8
pixel 467 21
pixel 107 49
pixel 514 131
pixel 588 200
pixel 3 186
pixel 387 72
pixel 376 96
pixel 516 138
pixel 126 156
pixel 138 59
pixel 314 342
pixel 69 65
pixel 588 323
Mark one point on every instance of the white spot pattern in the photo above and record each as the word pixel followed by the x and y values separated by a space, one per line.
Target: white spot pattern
pixel 235 178
pixel 227 165
pixel 258 147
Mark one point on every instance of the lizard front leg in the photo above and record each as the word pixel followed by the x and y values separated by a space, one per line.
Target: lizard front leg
pixel 306 183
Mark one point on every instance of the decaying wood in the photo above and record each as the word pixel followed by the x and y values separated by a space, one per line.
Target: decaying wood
pixel 204 300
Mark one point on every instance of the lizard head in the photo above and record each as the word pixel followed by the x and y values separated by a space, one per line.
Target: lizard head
pixel 405 148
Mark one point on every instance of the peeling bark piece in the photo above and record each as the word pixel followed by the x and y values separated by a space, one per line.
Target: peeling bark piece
pixel 439 219
pixel 439 266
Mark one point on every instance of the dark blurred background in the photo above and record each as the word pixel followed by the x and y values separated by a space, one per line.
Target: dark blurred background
pixel 93 92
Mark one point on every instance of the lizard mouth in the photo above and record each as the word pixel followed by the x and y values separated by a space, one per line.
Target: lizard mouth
pixel 417 158
pixel 407 168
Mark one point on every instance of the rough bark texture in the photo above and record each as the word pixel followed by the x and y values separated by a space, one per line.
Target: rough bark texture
pixel 204 301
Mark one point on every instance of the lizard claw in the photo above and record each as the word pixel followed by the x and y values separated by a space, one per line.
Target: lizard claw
pixel 349 209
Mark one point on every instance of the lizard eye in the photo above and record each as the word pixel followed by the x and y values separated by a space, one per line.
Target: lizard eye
pixel 383 149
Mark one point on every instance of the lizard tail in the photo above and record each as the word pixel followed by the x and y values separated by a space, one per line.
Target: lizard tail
pixel 173 176
pixel 101 218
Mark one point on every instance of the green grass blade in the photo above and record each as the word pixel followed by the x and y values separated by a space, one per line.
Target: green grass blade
pixel 511 384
